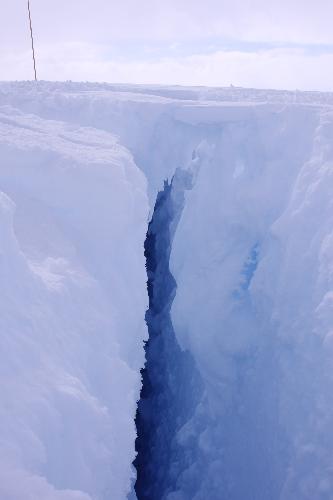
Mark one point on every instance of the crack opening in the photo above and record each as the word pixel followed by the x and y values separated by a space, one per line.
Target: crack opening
pixel 170 382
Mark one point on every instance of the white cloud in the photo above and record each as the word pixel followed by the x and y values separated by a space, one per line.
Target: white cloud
pixel 81 39
pixel 276 68
pixel 301 21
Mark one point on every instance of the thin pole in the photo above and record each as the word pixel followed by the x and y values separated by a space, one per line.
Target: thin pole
pixel 32 41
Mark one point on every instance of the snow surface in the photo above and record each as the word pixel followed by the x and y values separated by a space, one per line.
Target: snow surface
pixel 252 257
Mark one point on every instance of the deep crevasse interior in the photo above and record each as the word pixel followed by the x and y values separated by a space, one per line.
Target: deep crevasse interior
pixel 172 387
pixel 251 256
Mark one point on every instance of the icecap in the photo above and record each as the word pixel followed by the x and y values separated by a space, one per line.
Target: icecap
pixel 250 236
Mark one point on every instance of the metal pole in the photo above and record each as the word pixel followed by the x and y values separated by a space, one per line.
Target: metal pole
pixel 32 41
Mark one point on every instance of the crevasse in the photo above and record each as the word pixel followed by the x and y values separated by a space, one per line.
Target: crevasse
pixel 171 384
pixel 251 293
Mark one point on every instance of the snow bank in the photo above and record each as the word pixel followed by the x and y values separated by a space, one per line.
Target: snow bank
pixel 252 259
pixel 73 297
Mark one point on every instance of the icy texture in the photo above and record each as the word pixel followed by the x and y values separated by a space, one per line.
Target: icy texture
pixel 254 306
pixel 72 225
pixel 252 263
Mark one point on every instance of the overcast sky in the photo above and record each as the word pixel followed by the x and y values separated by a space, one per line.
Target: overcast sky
pixel 258 43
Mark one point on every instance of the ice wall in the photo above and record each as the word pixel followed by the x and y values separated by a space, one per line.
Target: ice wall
pixel 252 258
pixel 73 298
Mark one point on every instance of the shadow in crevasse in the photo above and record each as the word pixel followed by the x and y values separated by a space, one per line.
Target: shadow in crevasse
pixel 171 385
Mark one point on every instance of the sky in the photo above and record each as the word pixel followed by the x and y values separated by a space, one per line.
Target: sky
pixel 283 44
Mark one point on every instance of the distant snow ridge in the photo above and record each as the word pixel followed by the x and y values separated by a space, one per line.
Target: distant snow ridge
pixel 239 401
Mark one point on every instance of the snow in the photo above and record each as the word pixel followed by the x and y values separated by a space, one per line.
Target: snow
pixel 252 306
pixel 251 253
pixel 73 296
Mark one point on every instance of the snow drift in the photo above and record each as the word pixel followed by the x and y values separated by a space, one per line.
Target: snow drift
pixel 246 239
